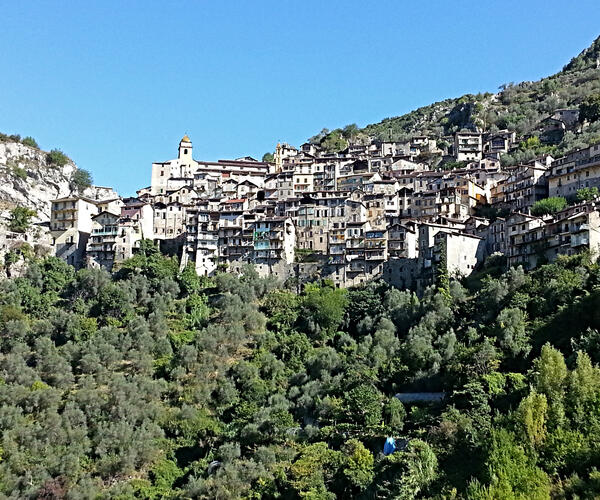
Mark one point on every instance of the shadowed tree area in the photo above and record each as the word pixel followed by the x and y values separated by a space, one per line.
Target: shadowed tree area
pixel 156 383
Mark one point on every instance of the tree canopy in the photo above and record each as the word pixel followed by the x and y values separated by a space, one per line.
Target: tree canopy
pixel 20 219
pixel 549 205
pixel 155 383
pixel 589 109
pixel 81 179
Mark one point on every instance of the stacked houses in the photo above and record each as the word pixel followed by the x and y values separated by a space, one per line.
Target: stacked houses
pixel 370 211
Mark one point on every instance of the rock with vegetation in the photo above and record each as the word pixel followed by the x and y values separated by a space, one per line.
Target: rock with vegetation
pixel 28 180
pixel 31 178
pixel 517 107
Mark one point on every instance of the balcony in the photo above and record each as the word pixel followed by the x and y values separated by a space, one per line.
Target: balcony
pixel 65 218
pixel 206 235
pixel 580 240
pixel 267 254
pixel 230 233
pixel 336 259
pixel 356 266
pixel 226 224
pixel 207 244
pixel 355 242
pixel 100 248
pixel 586 162
pixel 355 253
pixel 370 244
pixel 336 238
pixel 104 232
pixel 262 245
pixel 379 255
pixel 268 235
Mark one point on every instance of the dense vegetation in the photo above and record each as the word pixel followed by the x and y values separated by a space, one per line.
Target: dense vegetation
pixel 155 383
pixel 553 204
pixel 336 140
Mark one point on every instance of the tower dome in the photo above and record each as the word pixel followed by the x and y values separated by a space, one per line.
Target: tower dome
pixel 185 148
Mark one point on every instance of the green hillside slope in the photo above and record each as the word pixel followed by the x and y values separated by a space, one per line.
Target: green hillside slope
pixel 516 107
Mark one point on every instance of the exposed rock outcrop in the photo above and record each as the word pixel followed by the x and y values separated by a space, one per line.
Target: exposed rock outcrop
pixel 27 178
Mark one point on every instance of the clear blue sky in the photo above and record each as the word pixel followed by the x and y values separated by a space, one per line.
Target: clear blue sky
pixel 115 84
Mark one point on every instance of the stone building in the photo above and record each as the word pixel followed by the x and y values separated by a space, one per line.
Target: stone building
pixel 70 226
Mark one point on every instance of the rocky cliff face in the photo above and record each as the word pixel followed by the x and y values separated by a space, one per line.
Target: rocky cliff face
pixel 28 179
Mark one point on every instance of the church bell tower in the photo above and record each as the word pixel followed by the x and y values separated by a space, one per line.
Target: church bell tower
pixel 185 149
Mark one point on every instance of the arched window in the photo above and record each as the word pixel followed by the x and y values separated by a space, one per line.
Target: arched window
pixel 185 151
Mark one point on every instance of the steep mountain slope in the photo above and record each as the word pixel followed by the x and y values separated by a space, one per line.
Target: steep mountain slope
pixel 517 107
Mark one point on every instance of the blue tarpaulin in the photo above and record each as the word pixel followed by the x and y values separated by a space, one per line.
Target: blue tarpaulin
pixel 390 446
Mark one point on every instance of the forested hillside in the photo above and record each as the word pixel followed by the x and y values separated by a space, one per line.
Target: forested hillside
pixel 155 383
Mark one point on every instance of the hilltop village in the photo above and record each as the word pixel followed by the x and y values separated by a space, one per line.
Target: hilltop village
pixel 370 211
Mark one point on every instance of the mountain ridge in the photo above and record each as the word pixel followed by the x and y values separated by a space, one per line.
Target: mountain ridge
pixel 516 107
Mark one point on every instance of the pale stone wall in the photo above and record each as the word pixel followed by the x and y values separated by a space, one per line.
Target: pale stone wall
pixel 463 252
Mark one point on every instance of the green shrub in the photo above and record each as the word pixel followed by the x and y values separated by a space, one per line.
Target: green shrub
pixel 57 157
pixel 81 179
pixel 30 141
pixel 20 219
pixel 589 110
pixel 19 172
pixel 587 194
pixel 10 138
